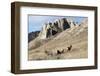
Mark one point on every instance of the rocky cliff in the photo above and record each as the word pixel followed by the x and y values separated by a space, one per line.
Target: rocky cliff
pixel 52 28
pixel 33 35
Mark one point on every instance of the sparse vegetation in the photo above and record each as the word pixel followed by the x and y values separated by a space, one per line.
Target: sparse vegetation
pixel 71 43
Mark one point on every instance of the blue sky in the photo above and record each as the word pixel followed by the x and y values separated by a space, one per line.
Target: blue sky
pixel 35 22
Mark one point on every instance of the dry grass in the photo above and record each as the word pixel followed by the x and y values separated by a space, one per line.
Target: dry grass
pixel 77 37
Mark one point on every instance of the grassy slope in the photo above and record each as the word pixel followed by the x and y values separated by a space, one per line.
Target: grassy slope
pixel 76 36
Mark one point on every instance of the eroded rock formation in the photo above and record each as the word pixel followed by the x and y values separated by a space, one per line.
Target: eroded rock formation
pixel 52 28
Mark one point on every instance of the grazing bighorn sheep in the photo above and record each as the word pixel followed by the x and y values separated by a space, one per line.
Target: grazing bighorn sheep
pixel 50 52
pixel 47 52
pixel 69 48
pixel 60 52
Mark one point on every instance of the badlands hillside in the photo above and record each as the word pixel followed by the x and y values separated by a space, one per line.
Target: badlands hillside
pixel 62 39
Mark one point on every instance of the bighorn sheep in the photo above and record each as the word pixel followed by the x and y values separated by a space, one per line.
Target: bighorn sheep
pixel 69 48
pixel 58 52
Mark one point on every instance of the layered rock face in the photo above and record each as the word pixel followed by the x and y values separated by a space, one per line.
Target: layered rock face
pixel 33 35
pixel 52 28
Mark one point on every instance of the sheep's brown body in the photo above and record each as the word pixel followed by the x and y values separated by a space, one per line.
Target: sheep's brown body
pixel 69 48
